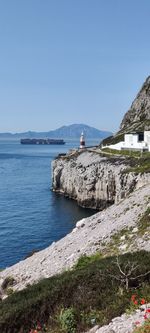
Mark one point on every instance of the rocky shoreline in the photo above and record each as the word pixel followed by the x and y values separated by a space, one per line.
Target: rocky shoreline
pixel 95 181
pixel 122 196
pixel 114 230
pixel 91 234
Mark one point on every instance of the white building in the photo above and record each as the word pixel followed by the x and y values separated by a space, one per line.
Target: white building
pixel 134 141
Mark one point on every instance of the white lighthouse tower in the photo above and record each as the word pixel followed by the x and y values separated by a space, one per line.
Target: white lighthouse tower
pixel 82 141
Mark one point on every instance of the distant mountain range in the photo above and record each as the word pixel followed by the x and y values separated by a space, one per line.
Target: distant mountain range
pixel 71 132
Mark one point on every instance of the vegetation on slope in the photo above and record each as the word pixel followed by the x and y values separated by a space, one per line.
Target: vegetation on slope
pixel 124 152
pixel 93 292
pixel 139 162
pixel 111 140
pixel 141 166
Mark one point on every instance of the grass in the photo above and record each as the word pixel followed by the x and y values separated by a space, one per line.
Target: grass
pixel 89 293
pixel 111 140
pixel 137 163
pixel 113 247
pixel 144 223
pixel 142 166
pixel 124 152
pixel 116 241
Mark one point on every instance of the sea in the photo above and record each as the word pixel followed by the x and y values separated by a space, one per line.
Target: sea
pixel 32 216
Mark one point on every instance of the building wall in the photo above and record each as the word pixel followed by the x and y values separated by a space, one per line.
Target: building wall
pixel 147 137
pixel 131 141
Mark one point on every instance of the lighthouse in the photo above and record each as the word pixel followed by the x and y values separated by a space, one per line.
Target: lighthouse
pixel 82 141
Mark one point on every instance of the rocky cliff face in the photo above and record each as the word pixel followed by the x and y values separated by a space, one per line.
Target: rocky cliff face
pixel 138 116
pixel 94 181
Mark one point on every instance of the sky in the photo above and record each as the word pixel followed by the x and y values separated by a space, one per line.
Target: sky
pixel 71 61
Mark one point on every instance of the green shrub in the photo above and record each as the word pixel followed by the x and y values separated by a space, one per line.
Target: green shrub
pixel 91 288
pixel 144 223
pixel 85 260
pixel 9 291
pixel 8 282
pixel 111 140
pixel 67 320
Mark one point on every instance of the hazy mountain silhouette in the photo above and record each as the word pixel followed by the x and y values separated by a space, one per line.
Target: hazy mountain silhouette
pixel 71 132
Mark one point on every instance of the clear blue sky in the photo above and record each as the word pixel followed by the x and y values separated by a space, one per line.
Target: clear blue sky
pixel 71 61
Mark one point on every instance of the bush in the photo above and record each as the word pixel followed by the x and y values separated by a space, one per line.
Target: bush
pixel 88 292
pixel 8 282
pixel 67 320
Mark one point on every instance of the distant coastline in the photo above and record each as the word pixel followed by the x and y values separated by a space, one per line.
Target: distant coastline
pixel 71 132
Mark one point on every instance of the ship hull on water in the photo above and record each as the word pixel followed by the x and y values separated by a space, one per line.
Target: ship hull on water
pixel 42 141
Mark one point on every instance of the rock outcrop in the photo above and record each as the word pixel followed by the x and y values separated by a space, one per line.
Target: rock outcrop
pixel 125 323
pixel 138 116
pixel 95 181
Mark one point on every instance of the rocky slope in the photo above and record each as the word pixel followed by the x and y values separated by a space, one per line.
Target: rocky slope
pixel 138 116
pixel 124 324
pixel 95 181
pixel 115 229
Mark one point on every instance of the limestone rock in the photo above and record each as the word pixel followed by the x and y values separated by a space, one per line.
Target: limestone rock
pixel 124 323
pixel 138 116
pixel 95 181
pixel 80 224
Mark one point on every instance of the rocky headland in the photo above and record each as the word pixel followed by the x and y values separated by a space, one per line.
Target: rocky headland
pixel 137 118
pixel 95 181
pixel 119 187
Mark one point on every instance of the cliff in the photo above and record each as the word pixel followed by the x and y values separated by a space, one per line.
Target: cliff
pixel 138 116
pixel 95 181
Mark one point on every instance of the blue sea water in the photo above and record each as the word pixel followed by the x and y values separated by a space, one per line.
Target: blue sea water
pixel 31 215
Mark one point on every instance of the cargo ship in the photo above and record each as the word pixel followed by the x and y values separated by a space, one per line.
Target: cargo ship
pixel 42 141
